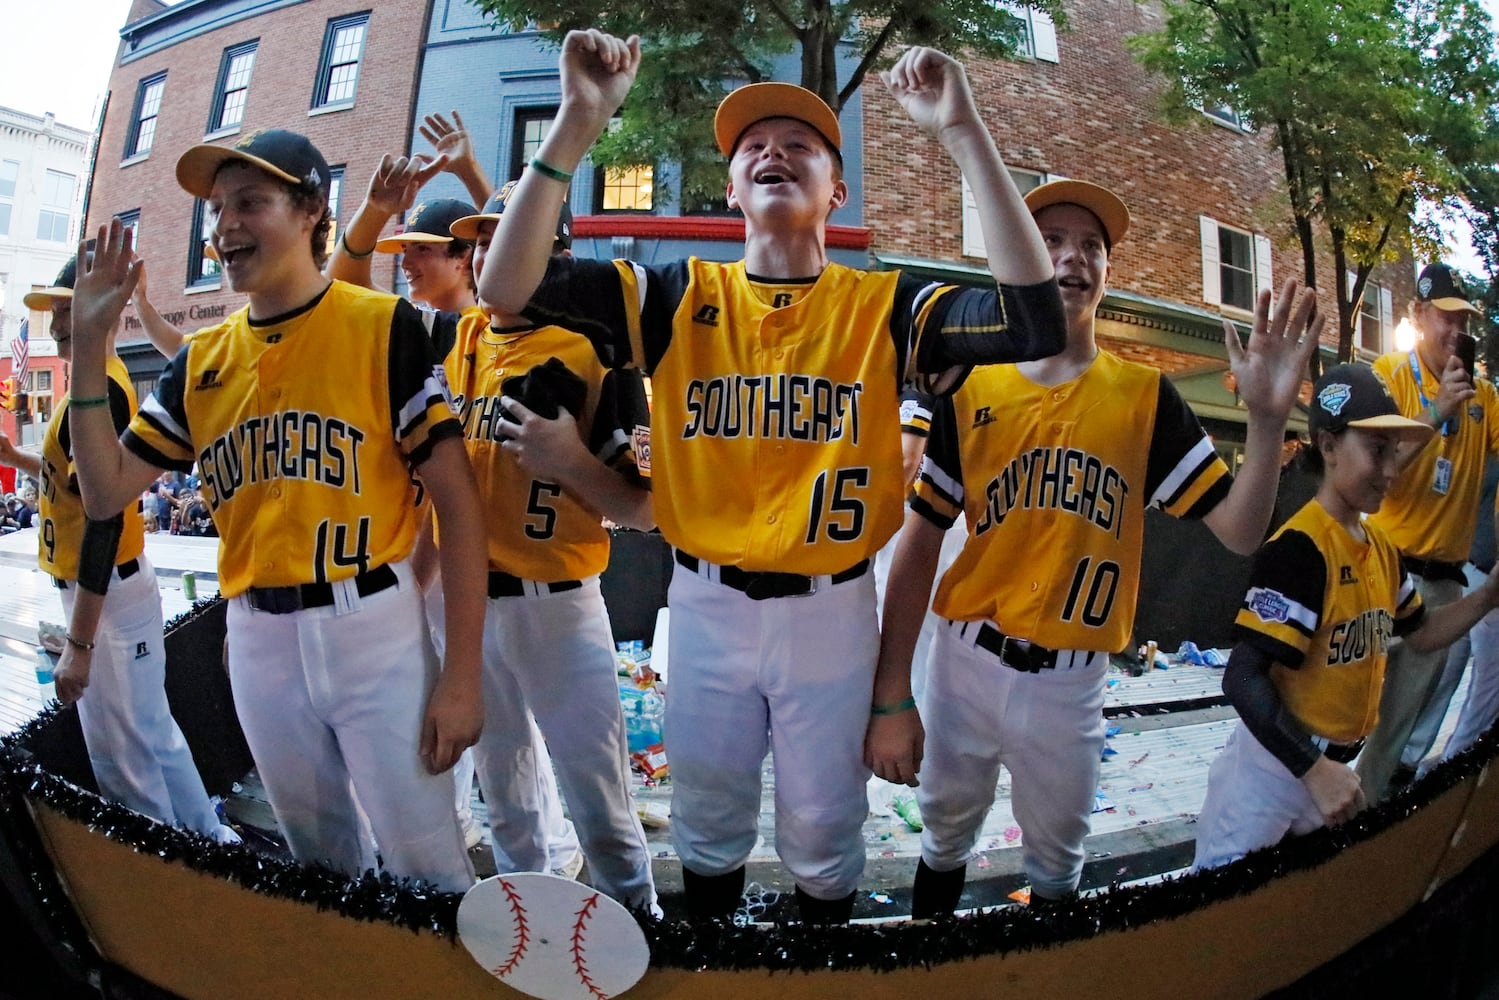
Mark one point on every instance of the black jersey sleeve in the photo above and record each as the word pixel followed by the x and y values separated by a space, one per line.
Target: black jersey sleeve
pixel 1183 474
pixel 1247 683
pixel 978 326
pixel 938 493
pixel 1283 607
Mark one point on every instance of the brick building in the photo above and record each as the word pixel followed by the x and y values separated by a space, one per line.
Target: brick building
pixel 339 71
pixel 1209 226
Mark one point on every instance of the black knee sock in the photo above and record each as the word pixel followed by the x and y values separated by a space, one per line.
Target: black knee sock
pixel 934 893
pixel 712 896
pixel 824 911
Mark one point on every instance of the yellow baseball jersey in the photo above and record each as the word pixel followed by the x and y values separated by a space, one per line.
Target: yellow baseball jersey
pixel 59 504
pixel 304 428
pixel 1426 517
pixel 1324 606
pixel 1054 482
pixel 774 438
pixel 535 529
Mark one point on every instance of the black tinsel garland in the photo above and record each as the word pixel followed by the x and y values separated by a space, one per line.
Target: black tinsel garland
pixel 715 946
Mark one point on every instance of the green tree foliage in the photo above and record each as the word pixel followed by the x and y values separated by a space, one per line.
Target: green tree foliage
pixel 1376 106
pixel 697 49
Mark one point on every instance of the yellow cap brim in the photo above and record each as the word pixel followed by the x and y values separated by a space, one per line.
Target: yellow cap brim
pixel 1413 430
pixel 395 244
pixel 1102 202
pixel 197 167
pixel 41 298
pixel 758 101
pixel 467 228
pixel 1457 305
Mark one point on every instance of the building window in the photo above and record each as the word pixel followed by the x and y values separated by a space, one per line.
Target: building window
pixel 531 128
pixel 1235 265
pixel 1038 37
pixel 335 191
pixel 1228 115
pixel 10 170
pixel 1376 315
pixel 973 235
pixel 57 206
pixel 202 270
pixel 143 123
pixel 626 189
pixel 338 71
pixel 233 87
pixel 131 222
pixel 39 389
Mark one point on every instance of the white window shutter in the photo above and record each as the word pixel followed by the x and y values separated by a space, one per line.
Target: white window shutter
pixel 1263 265
pixel 1212 287
pixel 1349 277
pixel 1386 316
pixel 973 233
pixel 1044 35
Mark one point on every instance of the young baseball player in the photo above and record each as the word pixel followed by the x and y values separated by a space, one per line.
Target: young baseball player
pixel 114 662
pixel 547 633
pixel 307 471
pixel 1053 463
pixel 776 449
pixel 440 276
pixel 1326 596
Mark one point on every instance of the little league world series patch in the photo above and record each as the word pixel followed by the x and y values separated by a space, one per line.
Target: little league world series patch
pixel 551 937
pixel 1269 605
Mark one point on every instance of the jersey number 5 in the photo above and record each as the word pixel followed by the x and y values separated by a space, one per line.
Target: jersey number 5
pixel 842 513
pixel 1100 600
pixel 541 517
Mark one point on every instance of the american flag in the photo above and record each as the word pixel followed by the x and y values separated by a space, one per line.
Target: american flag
pixel 20 351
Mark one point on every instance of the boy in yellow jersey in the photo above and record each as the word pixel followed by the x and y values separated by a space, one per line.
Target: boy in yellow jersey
pixel 547 633
pixel 114 663
pixel 305 412
pixel 1053 463
pixel 776 457
pixel 1326 596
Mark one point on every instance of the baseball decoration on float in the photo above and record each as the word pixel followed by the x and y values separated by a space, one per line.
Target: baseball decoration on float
pixel 551 937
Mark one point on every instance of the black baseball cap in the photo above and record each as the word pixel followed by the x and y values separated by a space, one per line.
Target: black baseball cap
pixel 428 222
pixel 1440 285
pixel 467 228
pixel 288 156
pixel 1354 395
pixel 61 287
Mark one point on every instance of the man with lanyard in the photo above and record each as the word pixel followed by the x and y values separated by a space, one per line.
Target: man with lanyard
pixel 1430 511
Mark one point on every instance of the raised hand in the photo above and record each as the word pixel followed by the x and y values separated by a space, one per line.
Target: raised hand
pixel 449 139
pixel 104 284
pixel 933 89
pixel 598 70
pixel 8 450
pixel 1270 370
pixel 395 182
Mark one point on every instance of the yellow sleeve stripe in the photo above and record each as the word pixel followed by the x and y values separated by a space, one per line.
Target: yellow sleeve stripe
pixel 1409 600
pixel 1284 633
pixel 632 283
pixel 1188 499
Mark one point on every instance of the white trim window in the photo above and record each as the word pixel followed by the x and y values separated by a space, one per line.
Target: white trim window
pixel 1236 265
pixel 1376 315
pixel 973 235
pixel 1040 37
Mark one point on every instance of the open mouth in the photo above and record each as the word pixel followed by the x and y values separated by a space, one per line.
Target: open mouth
pixel 769 177
pixel 237 255
pixel 1074 283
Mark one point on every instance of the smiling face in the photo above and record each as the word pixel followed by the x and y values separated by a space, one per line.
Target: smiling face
pixel 1360 465
pixel 434 275
pixel 1440 330
pixel 260 234
pixel 1079 251
pixel 62 326
pixel 783 170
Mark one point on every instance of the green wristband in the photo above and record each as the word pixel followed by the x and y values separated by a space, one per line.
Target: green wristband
pixel 87 401
pixel 547 170
pixel 895 709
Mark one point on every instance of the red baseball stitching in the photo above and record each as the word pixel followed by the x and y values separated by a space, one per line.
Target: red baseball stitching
pixel 580 966
pixel 522 931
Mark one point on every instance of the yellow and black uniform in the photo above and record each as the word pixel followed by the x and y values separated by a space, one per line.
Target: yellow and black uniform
pixel 307 480
pixel 1427 516
pixel 535 530
pixel 67 536
pixel 1055 481
pixel 776 473
pixel 795 384
pixel 1324 607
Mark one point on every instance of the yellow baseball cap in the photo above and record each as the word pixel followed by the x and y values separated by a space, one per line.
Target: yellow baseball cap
pixel 758 101
pixel 1099 200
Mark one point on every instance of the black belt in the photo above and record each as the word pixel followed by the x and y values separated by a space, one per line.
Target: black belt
pixel 1026 657
pixel 1341 753
pixel 760 586
pixel 1433 569
pixel 285 600
pixel 502 584
pixel 124 571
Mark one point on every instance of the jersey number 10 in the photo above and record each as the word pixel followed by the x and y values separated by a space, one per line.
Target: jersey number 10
pixel 1100 600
